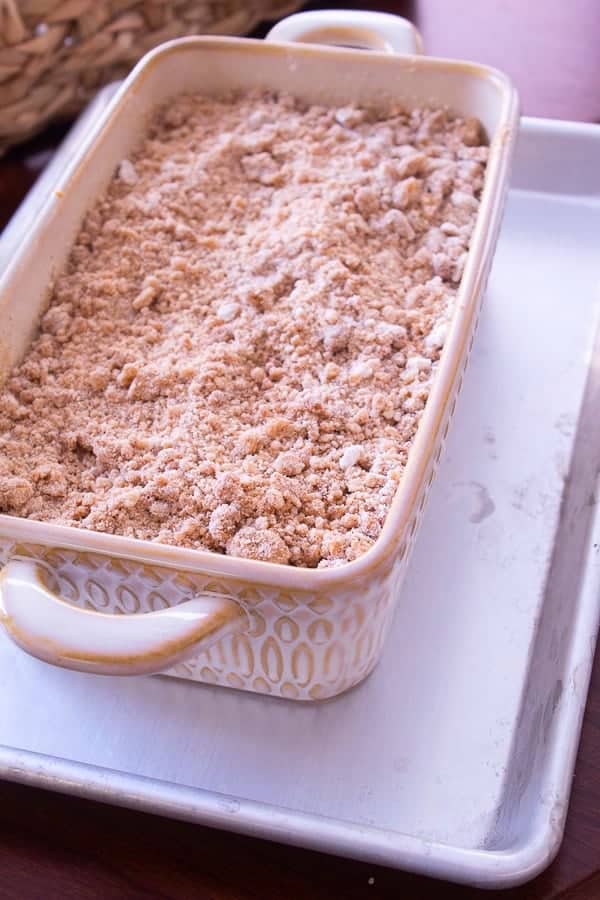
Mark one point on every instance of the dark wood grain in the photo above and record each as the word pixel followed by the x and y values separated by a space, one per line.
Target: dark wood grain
pixel 53 846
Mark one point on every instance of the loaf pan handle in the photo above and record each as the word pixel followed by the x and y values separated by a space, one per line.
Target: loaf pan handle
pixel 350 28
pixel 62 634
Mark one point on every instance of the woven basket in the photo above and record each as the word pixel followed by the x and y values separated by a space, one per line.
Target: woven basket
pixel 54 54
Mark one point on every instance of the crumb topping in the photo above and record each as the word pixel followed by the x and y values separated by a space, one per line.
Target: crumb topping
pixel 240 348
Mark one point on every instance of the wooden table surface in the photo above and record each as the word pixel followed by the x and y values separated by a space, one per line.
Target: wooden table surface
pixel 52 846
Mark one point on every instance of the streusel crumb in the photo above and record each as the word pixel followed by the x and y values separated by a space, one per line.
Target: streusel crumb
pixel 240 348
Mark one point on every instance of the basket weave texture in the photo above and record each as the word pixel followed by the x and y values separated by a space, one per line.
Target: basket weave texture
pixel 54 54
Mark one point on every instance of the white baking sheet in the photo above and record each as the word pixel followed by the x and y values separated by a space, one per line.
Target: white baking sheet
pixel 454 757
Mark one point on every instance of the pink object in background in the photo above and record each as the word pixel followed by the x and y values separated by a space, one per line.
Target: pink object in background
pixel 551 49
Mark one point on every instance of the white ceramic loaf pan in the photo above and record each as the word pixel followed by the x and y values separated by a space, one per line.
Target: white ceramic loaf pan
pixel 108 604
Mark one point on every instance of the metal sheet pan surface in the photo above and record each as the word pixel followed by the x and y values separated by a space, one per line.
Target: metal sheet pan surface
pixel 455 757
